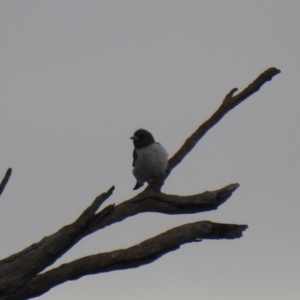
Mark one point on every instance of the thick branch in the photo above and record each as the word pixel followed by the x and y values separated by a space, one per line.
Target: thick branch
pixel 5 180
pixel 37 257
pixel 153 201
pixel 19 277
pixel 133 257
pixel 18 269
pixel 228 104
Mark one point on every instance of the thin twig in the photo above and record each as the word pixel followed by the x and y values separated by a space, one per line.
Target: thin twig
pixel 5 180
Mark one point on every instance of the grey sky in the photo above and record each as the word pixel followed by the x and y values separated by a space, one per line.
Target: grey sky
pixel 79 77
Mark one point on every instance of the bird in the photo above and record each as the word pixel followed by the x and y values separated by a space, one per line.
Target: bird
pixel 150 159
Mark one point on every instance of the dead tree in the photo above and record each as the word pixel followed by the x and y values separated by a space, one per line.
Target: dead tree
pixel 20 274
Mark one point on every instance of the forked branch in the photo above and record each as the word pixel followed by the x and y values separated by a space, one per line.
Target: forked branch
pixel 228 104
pixel 18 269
pixel 20 274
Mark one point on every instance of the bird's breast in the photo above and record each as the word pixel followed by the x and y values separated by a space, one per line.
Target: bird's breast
pixel 151 161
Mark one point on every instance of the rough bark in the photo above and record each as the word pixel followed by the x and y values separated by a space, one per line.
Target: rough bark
pixel 20 274
pixel 133 257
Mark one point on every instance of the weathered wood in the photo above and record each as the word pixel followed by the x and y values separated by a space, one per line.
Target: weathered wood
pixel 20 274
pixel 228 104
pixel 133 257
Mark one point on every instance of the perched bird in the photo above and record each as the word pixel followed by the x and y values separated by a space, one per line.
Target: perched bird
pixel 150 159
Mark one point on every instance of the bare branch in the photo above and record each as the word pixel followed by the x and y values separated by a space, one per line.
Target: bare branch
pixel 153 201
pixel 20 274
pixel 133 257
pixel 5 180
pixel 228 104
pixel 37 257
pixel 197 203
pixel 19 268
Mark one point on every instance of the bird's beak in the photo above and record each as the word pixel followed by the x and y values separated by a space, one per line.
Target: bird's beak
pixel 135 138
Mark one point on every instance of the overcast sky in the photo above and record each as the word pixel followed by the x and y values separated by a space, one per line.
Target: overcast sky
pixel 79 77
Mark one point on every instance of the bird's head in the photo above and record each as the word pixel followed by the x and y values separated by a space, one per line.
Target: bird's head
pixel 142 138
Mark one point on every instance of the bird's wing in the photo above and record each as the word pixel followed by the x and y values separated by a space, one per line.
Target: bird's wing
pixel 134 157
